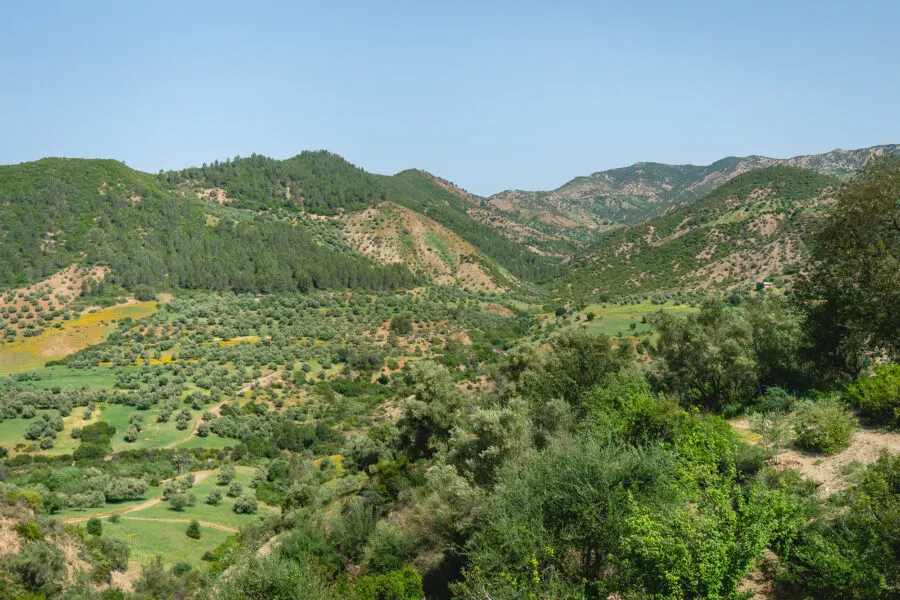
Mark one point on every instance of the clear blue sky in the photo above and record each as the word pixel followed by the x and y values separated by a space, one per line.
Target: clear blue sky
pixel 491 95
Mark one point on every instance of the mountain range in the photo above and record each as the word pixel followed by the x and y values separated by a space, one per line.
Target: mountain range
pixel 317 221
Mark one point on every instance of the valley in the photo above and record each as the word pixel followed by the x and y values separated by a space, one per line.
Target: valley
pixel 362 386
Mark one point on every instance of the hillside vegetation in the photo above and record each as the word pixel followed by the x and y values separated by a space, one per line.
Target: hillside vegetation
pixel 753 228
pixel 325 184
pixel 625 196
pixel 59 211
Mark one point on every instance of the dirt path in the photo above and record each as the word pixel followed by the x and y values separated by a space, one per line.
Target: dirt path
pixel 198 477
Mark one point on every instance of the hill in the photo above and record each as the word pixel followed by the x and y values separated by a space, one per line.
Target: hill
pixel 626 196
pixel 752 228
pixel 322 183
pixel 56 212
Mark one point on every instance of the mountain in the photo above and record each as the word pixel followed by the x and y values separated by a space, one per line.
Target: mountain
pixel 609 199
pixel 322 183
pixel 752 228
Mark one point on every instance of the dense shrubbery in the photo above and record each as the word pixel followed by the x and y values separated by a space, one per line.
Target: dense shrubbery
pixel 878 396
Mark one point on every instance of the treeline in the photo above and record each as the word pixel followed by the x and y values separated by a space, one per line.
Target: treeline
pixel 56 211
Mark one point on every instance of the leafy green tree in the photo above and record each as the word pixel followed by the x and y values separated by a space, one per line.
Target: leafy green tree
pixel 707 358
pixel 852 293
pixel 193 530
pixel 433 410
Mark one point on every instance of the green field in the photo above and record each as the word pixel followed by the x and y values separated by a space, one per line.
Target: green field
pixel 168 540
pixel 154 435
pixel 613 319
pixel 222 514
pixel 95 378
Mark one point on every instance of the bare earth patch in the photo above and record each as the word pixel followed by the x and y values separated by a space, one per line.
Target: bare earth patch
pixel 829 471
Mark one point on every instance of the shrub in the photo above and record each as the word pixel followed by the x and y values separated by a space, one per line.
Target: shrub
pixel 178 502
pixel 180 568
pixel 41 566
pixel 824 427
pixel 193 530
pixel 235 489
pixel 94 526
pixel 226 474
pixel 878 396
pixel 246 504
pixel 214 497
pixel 114 518
pixel 29 531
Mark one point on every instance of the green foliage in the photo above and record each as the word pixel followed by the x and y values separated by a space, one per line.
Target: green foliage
pixel 403 584
pixel 853 553
pixel 708 357
pixel 40 566
pixel 273 578
pixel 245 504
pixel 824 427
pixel 29 531
pixel 402 324
pixel 877 397
pixel 94 526
pixel 388 549
pixel 151 235
pixel 193 530
pixel 851 294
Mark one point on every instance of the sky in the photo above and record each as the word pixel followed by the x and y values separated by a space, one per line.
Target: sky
pixel 490 95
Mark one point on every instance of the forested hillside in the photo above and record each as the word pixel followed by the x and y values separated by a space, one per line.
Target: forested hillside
pixel 754 228
pixel 325 184
pixel 55 212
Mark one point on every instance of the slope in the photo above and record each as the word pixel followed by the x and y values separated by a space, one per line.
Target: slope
pixel 752 228
pixel 56 212
pixel 322 183
pixel 389 233
pixel 630 195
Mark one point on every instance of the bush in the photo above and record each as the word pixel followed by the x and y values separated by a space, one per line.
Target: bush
pixel 41 566
pixel 114 518
pixel 94 526
pixel 246 505
pixel 178 502
pixel 214 497
pixel 235 489
pixel 180 568
pixel 824 427
pixel 193 530
pixel 878 397
pixel 226 474
pixel 29 531
pixel 388 548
